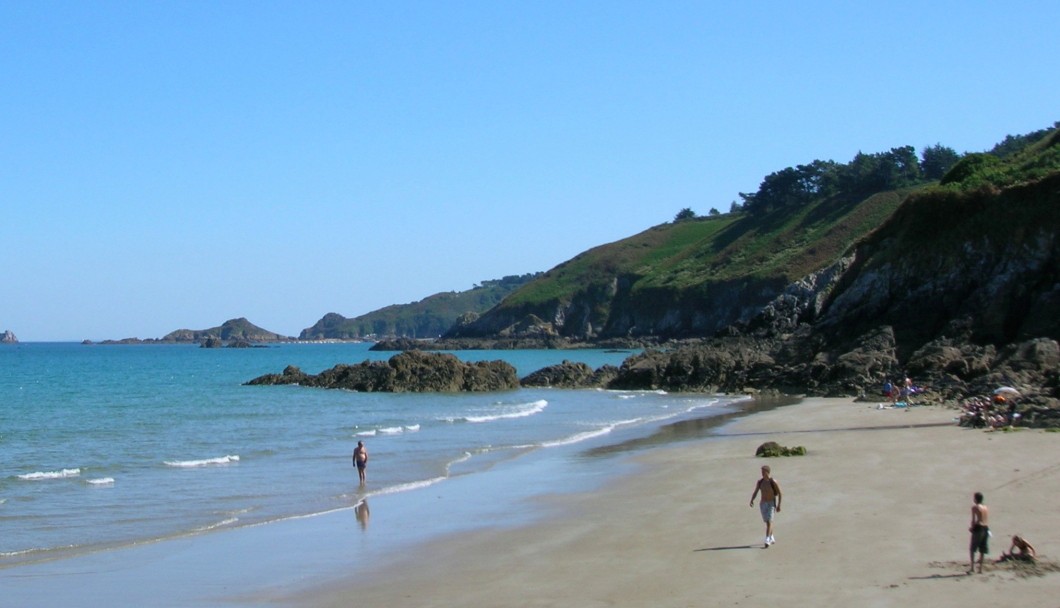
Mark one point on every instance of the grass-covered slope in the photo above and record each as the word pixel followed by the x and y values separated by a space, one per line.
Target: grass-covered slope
pixel 427 318
pixel 694 277
pixel 691 277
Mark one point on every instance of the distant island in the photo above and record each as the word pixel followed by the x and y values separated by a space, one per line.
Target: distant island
pixel 8 337
pixel 234 332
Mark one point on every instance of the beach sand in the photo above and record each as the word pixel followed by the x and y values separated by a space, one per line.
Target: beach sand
pixel 876 514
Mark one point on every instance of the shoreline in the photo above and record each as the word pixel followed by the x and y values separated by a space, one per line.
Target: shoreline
pixel 875 513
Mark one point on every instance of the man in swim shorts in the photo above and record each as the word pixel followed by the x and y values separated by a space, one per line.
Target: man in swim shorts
pixel 360 459
pixel 770 504
pixel 980 530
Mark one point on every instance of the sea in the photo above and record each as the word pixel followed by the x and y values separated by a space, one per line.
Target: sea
pixel 104 448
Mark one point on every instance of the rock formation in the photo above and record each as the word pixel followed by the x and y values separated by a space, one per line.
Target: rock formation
pixel 411 371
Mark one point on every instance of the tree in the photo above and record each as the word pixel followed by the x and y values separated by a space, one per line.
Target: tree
pixel 937 160
pixel 714 211
pixel 684 214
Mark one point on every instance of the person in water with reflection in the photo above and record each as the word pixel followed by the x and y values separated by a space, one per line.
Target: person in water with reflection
pixel 360 460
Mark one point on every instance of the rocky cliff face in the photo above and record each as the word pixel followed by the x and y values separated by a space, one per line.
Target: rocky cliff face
pixel 8 338
pixel 612 310
pixel 960 291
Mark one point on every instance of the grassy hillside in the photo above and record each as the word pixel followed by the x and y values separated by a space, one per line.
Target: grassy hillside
pixel 427 318
pixel 693 277
pixel 693 254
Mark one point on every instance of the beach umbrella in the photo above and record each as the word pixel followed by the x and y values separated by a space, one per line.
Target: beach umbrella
pixel 1007 391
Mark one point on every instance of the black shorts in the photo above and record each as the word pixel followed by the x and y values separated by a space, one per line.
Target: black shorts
pixel 980 540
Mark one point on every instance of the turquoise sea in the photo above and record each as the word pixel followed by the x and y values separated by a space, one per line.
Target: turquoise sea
pixel 107 448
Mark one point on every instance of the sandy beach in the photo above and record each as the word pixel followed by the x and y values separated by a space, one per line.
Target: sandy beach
pixel 876 514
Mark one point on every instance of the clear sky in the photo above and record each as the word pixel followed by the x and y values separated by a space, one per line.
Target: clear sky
pixel 168 165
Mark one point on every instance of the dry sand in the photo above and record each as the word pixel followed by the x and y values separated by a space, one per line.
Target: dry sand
pixel 876 514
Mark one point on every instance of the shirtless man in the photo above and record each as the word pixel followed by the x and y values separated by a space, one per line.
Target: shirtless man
pixel 360 459
pixel 980 530
pixel 770 503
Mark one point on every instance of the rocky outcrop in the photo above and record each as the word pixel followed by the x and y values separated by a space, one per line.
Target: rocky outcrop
pixel 411 371
pixel 570 375
pixel 8 338
pixel 230 331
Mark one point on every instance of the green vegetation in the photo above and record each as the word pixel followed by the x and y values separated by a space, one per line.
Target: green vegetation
pixel 772 449
pixel 801 220
pixel 427 318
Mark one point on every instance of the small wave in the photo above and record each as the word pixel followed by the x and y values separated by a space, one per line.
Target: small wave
pixel 36 550
pixel 187 464
pixel 63 474
pixel 528 410
pixel 406 487
pixel 100 481
pixel 370 433
pixel 586 435
pixel 220 524
pixel 392 430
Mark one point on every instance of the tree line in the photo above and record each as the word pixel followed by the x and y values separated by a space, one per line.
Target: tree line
pixel 865 174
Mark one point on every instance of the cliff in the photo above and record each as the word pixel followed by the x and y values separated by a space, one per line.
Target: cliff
pixel 426 318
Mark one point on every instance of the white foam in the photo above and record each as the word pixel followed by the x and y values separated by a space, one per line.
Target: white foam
pixel 187 464
pixel 412 428
pixel 370 433
pixel 393 430
pixel 528 409
pixel 406 487
pixel 101 481
pixel 586 435
pixel 220 524
pixel 40 475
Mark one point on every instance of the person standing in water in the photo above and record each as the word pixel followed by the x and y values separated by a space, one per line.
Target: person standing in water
pixel 770 503
pixel 980 529
pixel 360 459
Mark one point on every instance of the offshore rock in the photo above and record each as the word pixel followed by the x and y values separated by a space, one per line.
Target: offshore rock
pixel 407 372
pixel 8 338
pixel 571 375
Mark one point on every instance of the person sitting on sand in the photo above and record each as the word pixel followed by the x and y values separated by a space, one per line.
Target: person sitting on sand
pixel 1020 550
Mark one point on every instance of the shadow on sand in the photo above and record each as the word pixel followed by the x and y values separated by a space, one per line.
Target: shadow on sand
pixel 758 546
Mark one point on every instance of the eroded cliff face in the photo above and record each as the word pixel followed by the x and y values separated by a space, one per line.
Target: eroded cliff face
pixel 979 267
pixel 987 272
pixel 616 309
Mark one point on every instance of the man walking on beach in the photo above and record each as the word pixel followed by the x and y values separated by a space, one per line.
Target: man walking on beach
pixel 980 530
pixel 770 503
pixel 360 459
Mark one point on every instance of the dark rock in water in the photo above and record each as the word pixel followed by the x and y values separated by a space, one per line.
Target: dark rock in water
pixel 563 375
pixel 211 342
pixel 8 338
pixel 571 375
pixel 411 371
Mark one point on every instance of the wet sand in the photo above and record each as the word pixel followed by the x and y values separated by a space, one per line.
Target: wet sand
pixel 876 513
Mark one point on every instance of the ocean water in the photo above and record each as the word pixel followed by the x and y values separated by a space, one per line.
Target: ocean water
pixel 109 447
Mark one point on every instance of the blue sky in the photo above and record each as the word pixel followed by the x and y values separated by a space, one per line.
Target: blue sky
pixel 168 165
